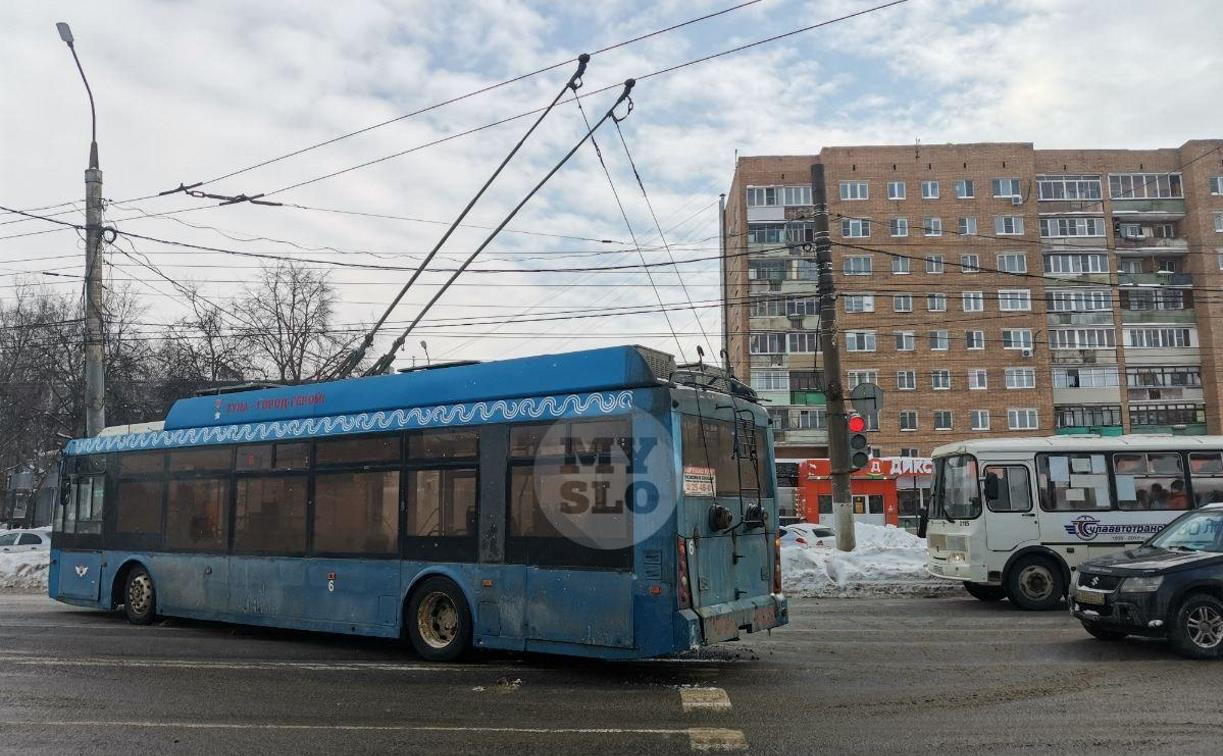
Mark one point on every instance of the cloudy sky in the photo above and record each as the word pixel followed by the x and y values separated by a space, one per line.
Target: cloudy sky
pixel 190 91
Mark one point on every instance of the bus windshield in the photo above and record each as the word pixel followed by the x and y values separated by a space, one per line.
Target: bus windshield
pixel 956 495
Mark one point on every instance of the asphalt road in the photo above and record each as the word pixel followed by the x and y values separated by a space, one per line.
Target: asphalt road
pixel 910 675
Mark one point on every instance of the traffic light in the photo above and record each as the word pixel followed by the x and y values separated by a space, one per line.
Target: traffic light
pixel 859 449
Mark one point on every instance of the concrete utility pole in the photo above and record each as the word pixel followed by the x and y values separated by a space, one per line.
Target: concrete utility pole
pixel 838 431
pixel 95 355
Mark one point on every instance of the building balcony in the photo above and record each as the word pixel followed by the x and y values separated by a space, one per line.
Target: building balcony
pixel 801 436
pixel 1080 278
pixel 1155 279
pixel 1088 395
pixel 1078 357
pixel 1165 394
pixel 1081 318
pixel 1128 244
pixel 1148 209
pixel 808 398
pixel 1188 429
pixel 1091 430
pixel 1158 316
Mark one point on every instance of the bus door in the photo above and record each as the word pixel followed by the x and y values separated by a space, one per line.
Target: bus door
pixel 1011 514
pixel 77 524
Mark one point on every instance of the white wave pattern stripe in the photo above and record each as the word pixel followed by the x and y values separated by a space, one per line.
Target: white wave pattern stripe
pixel 501 410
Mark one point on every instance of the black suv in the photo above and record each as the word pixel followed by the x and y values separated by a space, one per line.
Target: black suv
pixel 1172 586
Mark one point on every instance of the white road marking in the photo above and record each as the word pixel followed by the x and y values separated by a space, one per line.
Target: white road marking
pixel 716 739
pixel 704 699
pixel 700 738
pixel 319 666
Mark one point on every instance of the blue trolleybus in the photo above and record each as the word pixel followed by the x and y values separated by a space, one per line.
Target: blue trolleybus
pixel 601 503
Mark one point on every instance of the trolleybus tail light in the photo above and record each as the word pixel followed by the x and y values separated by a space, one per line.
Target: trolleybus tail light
pixel 777 563
pixel 685 590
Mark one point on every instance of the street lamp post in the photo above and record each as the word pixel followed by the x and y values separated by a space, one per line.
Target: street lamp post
pixel 95 356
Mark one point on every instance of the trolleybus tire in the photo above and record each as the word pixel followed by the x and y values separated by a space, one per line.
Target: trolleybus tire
pixel 1100 633
pixel 1197 627
pixel 1035 583
pixel 139 596
pixel 438 620
pixel 983 592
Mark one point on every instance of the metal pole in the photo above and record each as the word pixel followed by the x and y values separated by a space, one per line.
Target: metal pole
pixel 725 283
pixel 838 432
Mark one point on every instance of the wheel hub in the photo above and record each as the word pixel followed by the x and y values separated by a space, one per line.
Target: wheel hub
pixel 1204 625
pixel 437 620
pixel 1036 582
pixel 139 593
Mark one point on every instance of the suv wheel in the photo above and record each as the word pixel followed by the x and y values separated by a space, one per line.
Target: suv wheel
pixel 1197 629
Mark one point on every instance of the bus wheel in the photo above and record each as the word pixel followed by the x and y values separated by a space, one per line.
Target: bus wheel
pixel 139 597
pixel 1197 630
pixel 985 592
pixel 438 620
pixel 1035 583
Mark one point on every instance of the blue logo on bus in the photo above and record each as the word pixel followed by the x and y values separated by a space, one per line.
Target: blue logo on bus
pixel 1086 527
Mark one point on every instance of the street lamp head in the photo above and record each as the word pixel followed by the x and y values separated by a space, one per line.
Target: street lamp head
pixel 64 32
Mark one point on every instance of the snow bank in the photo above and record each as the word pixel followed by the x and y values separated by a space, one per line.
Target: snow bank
pixel 24 571
pixel 886 560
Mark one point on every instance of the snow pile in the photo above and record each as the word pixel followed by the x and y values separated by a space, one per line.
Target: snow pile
pixel 24 571
pixel 885 560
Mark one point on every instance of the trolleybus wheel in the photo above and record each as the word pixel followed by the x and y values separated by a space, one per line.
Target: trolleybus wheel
pixel 438 620
pixel 1035 583
pixel 984 592
pixel 139 597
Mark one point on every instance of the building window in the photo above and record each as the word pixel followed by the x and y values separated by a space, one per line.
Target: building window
pixel 942 419
pixel 1080 300
pixel 1068 187
pixel 857 265
pixel 1082 338
pixel 973 301
pixel 1021 419
pixel 1167 414
pixel 1058 227
pixel 797 195
pixel 855 228
pixel 933 226
pixel 978 378
pixel 1100 377
pixel 809 419
pixel 964 189
pixel 768 343
pixel 859 341
pixel 896 190
pixel 767 270
pixel 902 303
pixel 1219 223
pixel 1014 300
pixel 929 190
pixel 906 380
pixel 934 263
pixel 1174 377
pixel 1159 338
pixel 858 377
pixel 761 196
pixel 940 380
pixel 899 226
pixel 1145 185
pixel 1216 185
pixel 770 380
pixel 979 420
pixel 940 341
pixel 1020 378
pixel 806 270
pixel 974 339
pixel 967 226
pixel 801 306
pixel 1076 263
pixel 900 265
pixel 936 302
pixel 1017 338
pixel 855 190
pixel 1006 187
pixel 906 341
pixel 1087 416
pixel 908 420
pixel 859 302
pixel 1008 225
pixel 1153 299
pixel 1013 262
pixel 970 264
pixel 803 342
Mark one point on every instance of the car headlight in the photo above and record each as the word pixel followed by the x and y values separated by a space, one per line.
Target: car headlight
pixel 1142 584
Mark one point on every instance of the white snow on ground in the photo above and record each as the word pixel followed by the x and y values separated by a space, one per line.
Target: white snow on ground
pixel 24 571
pixel 886 560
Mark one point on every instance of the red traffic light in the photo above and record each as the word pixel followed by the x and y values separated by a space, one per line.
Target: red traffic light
pixel 856 423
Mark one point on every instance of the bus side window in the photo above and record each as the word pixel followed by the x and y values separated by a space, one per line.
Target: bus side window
pixel 1206 469
pixel 1073 482
pixel 1010 490
pixel 1151 480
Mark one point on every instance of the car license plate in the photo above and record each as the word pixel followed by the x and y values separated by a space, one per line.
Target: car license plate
pixel 1089 597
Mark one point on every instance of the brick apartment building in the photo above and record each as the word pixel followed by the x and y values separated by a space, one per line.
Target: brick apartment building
pixel 989 289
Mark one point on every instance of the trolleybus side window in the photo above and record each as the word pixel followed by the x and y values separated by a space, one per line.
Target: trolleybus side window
pixel 567 495
pixel 1007 488
pixel 442 494
pixel 198 516
pixel 356 495
pixel 1150 480
pixel 1206 470
pixel 140 495
pixel 270 514
pixel 81 506
pixel 1073 482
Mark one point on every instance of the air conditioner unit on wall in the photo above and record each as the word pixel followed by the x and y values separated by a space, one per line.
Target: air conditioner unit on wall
pixel 1025 353
pixel 1016 200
